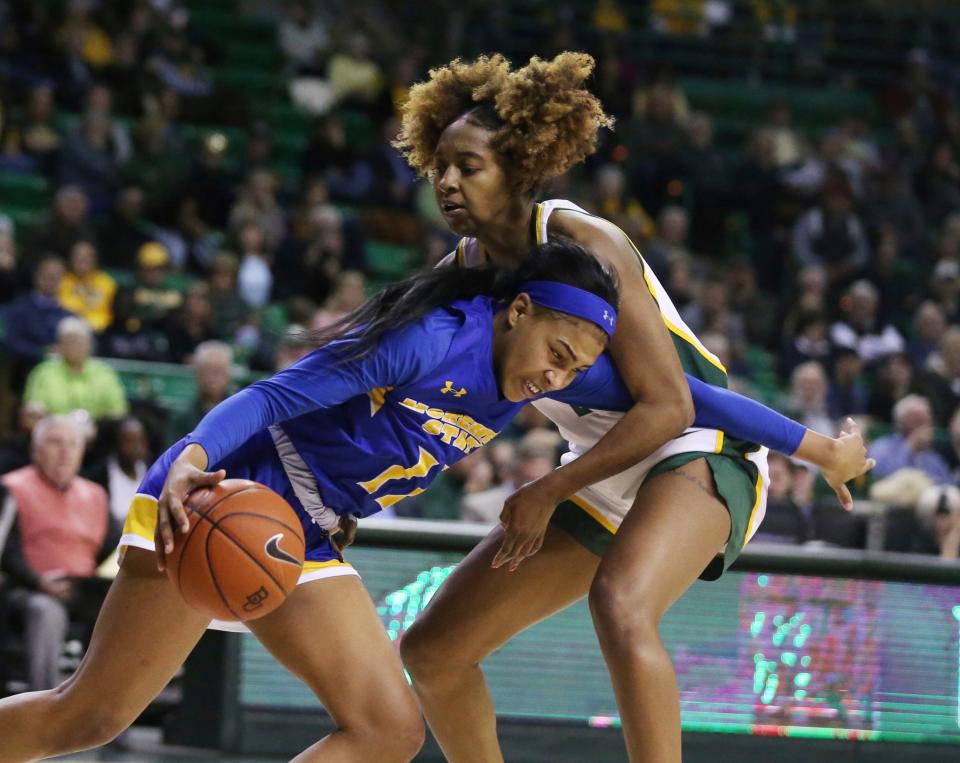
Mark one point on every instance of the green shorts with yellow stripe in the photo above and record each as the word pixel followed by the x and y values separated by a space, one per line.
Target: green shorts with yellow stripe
pixel 593 516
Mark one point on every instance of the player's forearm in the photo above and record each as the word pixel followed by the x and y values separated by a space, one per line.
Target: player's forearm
pixel 195 455
pixel 817 449
pixel 746 419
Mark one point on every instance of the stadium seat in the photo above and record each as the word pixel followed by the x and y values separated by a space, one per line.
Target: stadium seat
pixel 28 189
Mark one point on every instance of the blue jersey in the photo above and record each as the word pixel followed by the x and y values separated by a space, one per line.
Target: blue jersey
pixel 374 431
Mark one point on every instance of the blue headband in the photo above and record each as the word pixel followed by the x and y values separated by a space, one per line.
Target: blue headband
pixel 572 300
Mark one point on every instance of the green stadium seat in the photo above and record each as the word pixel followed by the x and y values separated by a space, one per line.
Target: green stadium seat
pixel 124 278
pixel 287 116
pixel 264 54
pixel 253 83
pixel 390 261
pixel 290 142
pixel 223 6
pixel 274 318
pixel 169 385
pixel 289 172
pixel 27 189
pixel 24 218
pixel 226 25
pixel 361 132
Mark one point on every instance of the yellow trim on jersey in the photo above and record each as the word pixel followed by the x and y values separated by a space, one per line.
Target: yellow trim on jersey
pixel 540 237
pixel 595 513
pixel 309 566
pixel 643 266
pixel 460 248
pixel 719 446
pixel 378 396
pixel 756 505
pixel 669 324
pixel 142 517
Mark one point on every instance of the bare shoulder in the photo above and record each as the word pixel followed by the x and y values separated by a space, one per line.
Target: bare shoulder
pixel 600 236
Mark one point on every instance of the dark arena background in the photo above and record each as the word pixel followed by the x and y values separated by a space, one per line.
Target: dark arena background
pixel 202 183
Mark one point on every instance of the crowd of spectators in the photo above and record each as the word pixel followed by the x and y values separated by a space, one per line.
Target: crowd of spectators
pixel 822 266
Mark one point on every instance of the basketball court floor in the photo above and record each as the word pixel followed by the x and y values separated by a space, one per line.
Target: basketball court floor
pixel 143 745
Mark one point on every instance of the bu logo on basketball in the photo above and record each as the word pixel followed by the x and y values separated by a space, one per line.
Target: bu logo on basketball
pixel 255 600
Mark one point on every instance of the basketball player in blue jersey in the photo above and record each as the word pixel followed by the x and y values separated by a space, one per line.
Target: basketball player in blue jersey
pixel 643 501
pixel 415 379
pixel 426 372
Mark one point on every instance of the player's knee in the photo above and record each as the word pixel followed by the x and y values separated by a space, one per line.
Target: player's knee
pixel 621 614
pixel 407 733
pixel 394 735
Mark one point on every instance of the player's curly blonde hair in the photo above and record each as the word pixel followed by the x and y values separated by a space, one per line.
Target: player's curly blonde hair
pixel 543 119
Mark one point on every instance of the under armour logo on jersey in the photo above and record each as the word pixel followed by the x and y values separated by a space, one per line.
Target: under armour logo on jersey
pixel 448 387
pixel 607 317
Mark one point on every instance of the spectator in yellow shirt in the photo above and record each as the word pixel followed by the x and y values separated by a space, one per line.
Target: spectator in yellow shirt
pixel 87 290
pixel 75 381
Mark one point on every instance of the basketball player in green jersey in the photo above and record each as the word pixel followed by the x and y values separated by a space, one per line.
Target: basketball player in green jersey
pixel 643 502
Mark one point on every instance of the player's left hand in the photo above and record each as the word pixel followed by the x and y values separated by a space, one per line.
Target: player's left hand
pixel 525 517
pixel 849 462
pixel 344 533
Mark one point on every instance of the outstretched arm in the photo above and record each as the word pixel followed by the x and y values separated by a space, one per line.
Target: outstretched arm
pixel 841 459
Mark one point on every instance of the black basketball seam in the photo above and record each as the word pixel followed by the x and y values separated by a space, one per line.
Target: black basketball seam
pixel 213 577
pixel 238 544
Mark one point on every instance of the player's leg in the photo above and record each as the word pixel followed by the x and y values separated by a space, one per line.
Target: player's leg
pixel 143 634
pixel 475 611
pixel 328 634
pixel 671 533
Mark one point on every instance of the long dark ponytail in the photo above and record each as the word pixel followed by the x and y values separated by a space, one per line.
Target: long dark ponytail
pixel 408 300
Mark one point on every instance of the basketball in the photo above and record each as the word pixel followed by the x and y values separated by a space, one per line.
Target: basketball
pixel 243 554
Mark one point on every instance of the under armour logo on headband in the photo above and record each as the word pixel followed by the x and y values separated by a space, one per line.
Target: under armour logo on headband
pixel 573 300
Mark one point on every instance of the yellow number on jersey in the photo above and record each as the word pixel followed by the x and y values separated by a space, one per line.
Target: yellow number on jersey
pixel 397 472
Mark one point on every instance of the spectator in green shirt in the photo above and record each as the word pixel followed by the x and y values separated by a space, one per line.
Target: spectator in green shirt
pixel 74 381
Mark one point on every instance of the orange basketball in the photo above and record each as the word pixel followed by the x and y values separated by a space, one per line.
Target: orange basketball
pixel 243 554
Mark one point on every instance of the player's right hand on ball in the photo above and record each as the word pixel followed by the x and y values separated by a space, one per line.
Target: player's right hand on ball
pixel 186 474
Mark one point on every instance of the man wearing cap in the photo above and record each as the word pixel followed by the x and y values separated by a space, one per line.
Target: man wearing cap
pixel 154 298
